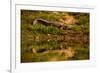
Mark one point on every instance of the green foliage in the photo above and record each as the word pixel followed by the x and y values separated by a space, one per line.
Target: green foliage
pixel 40 28
pixel 39 36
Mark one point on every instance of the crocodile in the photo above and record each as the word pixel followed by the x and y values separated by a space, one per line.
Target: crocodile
pixel 49 23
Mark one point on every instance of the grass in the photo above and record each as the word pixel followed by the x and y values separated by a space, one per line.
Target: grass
pixel 40 28
pixel 53 39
